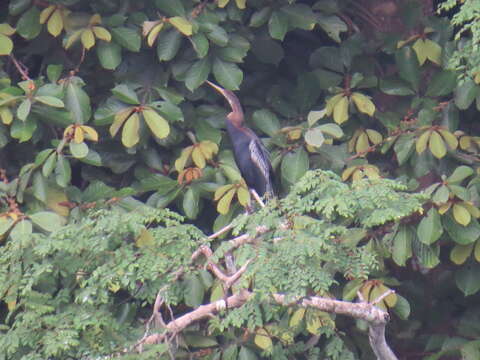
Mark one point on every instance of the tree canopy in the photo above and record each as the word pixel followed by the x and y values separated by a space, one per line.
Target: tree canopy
pixel 123 229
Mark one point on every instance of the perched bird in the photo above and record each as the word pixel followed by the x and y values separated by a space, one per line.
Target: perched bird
pixel 251 155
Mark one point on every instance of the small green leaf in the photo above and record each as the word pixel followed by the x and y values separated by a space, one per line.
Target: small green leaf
pixel 168 44
pixel 294 165
pixel 63 171
pixel 266 121
pixel 402 245
pixel 408 66
pixel 466 93
pixel 77 102
pixel 460 253
pixel 460 174
pixel 128 38
pixel 462 235
pixel 198 73
pixel 442 83
pixel 109 54
pixel 227 74
pixel 49 165
pixel 24 109
pixel 22 230
pixel 48 221
pixel 28 26
pixel 467 279
pixel 278 25
pixel 50 101
pixel 430 229
pixel 191 204
pixel 194 291
pixel 78 151
pixel 200 44
pixel 171 7
pixel 126 94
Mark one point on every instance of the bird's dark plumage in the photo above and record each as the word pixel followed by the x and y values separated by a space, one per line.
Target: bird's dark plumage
pixel 250 154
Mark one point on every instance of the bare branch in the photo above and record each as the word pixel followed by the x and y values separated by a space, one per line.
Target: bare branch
pixel 257 198
pixel 383 296
pixel 221 231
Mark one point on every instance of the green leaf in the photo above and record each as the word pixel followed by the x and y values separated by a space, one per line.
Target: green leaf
pixel 198 73
pixel 168 44
pixel 200 44
pixel 300 15
pixel 171 7
pixel 466 93
pixel 408 66
pixel 109 54
pixel 460 174
pixel 461 214
pixel 24 109
pixel 48 221
pixel 191 203
pixel 462 235
pixel 260 17
pixel 442 83
pixel 266 121
pixel 331 129
pixel 39 187
pixel 441 195
pixel 194 290
pixel 217 35
pixel 467 279
pixel 50 101
pixel 268 51
pixel 126 94
pixel 21 231
pixel 246 354
pixel 130 132
pixel 23 130
pixel 128 38
pixel 402 307
pixel 314 137
pixel 294 165
pixel 278 25
pixel 430 229
pixel 228 75
pixel 402 245
pixel 49 165
pixel 182 25
pixel 6 45
pixel 28 26
pixel 78 151
pixel 16 7
pixel 200 341
pixel 332 25
pixel 395 87
pixel 54 72
pixel 63 172
pixel 77 102
pixel 5 225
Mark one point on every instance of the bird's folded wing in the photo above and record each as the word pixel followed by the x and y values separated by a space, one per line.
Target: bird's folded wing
pixel 259 156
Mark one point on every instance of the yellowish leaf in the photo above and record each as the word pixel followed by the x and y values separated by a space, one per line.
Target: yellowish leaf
pixel 243 196
pixel 297 317
pixel 222 190
pixel 460 253
pixel 73 38
pixel 198 158
pixel 119 119
pixel 182 160
pixel 374 136
pixel 152 35
pixel 6 115
pixel 95 19
pixel 144 239
pixel 224 204
pixel 55 23
pixel 348 172
pixel 340 111
pixel 461 215
pixel 444 208
pixel 114 287
pixel 182 25
pixel 433 51
pixel 157 124
pixel 420 50
pixel 130 135
pixel 88 39
pixel 332 102
pixel 102 33
pixel 473 210
pixel 263 340
pixel 45 14
pixel 11 305
pixel 313 324
pixel 449 138
pixel 476 251
pixel 78 136
pixel 437 146
pixel 465 142
pixel 90 133
pixel 222 3
pixel 363 103
pixel 421 142
pixel 241 4
pixel 6 29
pixel 362 143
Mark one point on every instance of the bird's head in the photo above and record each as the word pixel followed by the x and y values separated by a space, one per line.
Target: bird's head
pixel 236 116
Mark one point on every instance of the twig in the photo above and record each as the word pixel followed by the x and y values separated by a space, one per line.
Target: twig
pixel 23 70
pixel 383 296
pixel 221 231
pixel 257 198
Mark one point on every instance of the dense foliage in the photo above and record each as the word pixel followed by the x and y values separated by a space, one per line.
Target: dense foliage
pixel 114 164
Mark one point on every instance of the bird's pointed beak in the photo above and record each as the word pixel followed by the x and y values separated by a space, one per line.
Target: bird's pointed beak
pixel 229 96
